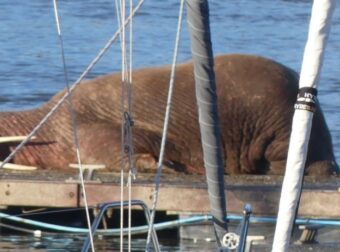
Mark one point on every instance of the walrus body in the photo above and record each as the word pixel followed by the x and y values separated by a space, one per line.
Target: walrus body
pixel 256 99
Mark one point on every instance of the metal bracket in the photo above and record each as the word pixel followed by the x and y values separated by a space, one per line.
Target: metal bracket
pixel 309 233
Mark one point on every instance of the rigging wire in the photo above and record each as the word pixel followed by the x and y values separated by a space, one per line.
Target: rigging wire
pixel 119 21
pixel 122 44
pixel 131 171
pixel 165 127
pixel 47 211
pixel 73 121
pixel 122 37
pixel 122 163
pixel 72 87
pixel 127 122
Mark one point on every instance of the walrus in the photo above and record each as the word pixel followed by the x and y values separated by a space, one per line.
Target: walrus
pixel 256 99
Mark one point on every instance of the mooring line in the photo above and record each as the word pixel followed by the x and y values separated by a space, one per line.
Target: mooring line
pixel 127 120
pixel 165 127
pixel 73 121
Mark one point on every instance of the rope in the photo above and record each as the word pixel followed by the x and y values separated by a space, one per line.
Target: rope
pixel 47 211
pixel 118 8
pixel 165 127
pixel 122 38
pixel 73 121
pixel 131 172
pixel 117 4
pixel 74 85
pixel 127 122
pixel 122 43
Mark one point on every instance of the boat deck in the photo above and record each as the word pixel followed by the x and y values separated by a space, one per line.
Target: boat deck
pixel 179 193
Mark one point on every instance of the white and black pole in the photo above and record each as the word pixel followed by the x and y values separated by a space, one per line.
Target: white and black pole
pixel 302 121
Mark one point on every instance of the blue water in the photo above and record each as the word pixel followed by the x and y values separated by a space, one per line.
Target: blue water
pixel 73 243
pixel 31 70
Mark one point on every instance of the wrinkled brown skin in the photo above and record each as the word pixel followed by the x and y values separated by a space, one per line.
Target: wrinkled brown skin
pixel 255 96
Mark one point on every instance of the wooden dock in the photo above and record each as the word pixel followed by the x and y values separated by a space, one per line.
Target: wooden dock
pixel 179 193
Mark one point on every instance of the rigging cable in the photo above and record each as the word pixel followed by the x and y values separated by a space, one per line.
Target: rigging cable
pixel 127 121
pixel 73 121
pixel 132 172
pixel 119 17
pixel 165 127
pixel 72 87
pixel 122 38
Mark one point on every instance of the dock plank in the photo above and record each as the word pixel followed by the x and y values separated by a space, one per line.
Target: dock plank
pixel 28 193
pixel 179 193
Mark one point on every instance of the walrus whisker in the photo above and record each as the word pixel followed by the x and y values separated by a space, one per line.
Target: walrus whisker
pixel 11 166
pixel 11 139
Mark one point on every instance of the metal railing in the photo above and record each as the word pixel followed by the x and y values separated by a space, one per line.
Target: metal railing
pixel 109 205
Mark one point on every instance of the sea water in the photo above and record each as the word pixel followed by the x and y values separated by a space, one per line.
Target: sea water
pixel 31 69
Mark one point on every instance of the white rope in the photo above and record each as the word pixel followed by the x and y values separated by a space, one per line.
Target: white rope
pixel 122 44
pixel 122 38
pixel 130 52
pixel 126 108
pixel 165 127
pixel 119 17
pixel 74 85
pixel 117 4
pixel 131 172
pixel 73 122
